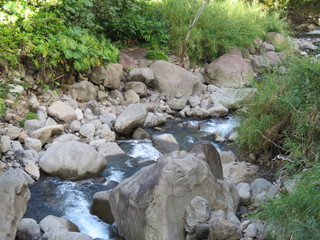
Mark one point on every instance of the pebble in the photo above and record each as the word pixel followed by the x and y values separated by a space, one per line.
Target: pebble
pixel 251 230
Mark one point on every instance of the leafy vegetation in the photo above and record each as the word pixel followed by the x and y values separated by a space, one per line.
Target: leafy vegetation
pixel 296 215
pixel 156 55
pixel 285 113
pixel 31 115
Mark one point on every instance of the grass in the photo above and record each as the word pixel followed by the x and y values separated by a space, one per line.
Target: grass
pixel 296 215
pixel 285 113
pixel 223 25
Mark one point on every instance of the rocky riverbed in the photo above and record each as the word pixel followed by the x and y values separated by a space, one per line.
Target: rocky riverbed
pixel 128 138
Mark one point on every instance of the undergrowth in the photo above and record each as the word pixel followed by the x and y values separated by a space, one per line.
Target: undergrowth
pixel 285 113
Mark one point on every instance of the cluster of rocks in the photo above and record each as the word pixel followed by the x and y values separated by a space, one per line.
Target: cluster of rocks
pixel 76 132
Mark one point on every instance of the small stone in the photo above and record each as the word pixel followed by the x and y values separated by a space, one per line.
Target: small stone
pixel 75 126
pixel 259 185
pixel 33 170
pixel 62 111
pixel 79 114
pixel 33 143
pixel 244 191
pixel 87 130
pixel 13 132
pixel 227 157
pixel 5 143
pixel 233 136
pixel 245 224
pixel 252 231
pixel 231 217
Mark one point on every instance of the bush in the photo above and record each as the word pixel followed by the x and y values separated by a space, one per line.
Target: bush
pixel 156 55
pixel 222 26
pixel 296 215
pixel 285 113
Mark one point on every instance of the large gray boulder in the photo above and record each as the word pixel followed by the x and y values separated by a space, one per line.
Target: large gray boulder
pixel 173 80
pixel 205 151
pixel 52 223
pixel 72 161
pixel 101 206
pixel 61 235
pixel 132 117
pixel 165 143
pixel 109 76
pixel 155 198
pixel 29 229
pixel 229 71
pixel 86 91
pixel 14 196
pixel 144 75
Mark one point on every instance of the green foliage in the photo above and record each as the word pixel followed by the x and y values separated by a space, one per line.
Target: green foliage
pixel 31 115
pixel 223 25
pixel 285 113
pixel 296 215
pixel 156 55
pixel 2 107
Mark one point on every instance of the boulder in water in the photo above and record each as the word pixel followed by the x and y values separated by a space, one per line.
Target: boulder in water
pixel 72 160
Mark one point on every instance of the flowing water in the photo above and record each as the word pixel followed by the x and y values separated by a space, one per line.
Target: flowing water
pixel 72 200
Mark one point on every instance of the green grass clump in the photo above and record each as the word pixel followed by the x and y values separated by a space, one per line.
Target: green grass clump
pixel 285 113
pixel 296 215
pixel 223 25
pixel 156 55
pixel 31 115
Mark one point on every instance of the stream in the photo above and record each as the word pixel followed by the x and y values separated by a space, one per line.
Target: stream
pixel 72 200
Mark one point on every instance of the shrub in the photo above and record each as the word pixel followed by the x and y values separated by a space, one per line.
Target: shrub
pixel 156 55
pixel 31 115
pixel 222 26
pixel 285 113
pixel 296 215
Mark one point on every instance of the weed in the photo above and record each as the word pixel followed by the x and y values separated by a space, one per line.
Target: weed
pixel 156 55
pixel 31 115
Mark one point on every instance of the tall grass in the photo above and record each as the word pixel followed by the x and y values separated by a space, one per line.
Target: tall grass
pixel 285 113
pixel 296 215
pixel 223 25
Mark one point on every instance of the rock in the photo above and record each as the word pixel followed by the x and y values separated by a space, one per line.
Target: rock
pixel 62 235
pixel 165 143
pixel 197 211
pixel 194 101
pixel 139 87
pixel 174 80
pixel 88 114
pixel 69 101
pixel 33 143
pixel 245 224
pixel 86 91
pixel 252 231
pixel 233 136
pixel 110 149
pixel 227 157
pixel 52 223
pixel 290 185
pixel 244 192
pixel 101 206
pixel 87 130
pixel 133 116
pixel 155 198
pixel 75 126
pixel 33 170
pixel 16 146
pixel 259 185
pixel 235 172
pixel 224 230
pixel 266 47
pixel 13 202
pixel 231 217
pixel 144 75
pixel 154 119
pixel 67 138
pixel 29 156
pixel 102 95
pixel 139 133
pixel 5 142
pixel 109 76
pixel 278 40
pixel 202 231
pixel 98 75
pixel 232 98
pixel 107 134
pixel 79 114
pixel 93 106
pixel 116 94
pixel 218 110
pixel 218 137
pixel 267 61
pixel 28 230
pixel 229 71
pixel 177 104
pixel 50 122
pixel 108 119
pixel 199 113
pixel 13 132
pixel 61 111
pixel 205 151
pixel 33 124
pixel 131 96
pixel 72 161
pixel 45 133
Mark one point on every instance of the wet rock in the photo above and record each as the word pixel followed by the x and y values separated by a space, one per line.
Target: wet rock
pixel 13 202
pixel 197 211
pixel 101 206
pixel 72 161
pixel 62 235
pixel 132 117
pixel 109 149
pixel 165 143
pixel 154 199
pixel 218 110
pixel 86 91
pixel 28 230
pixel 174 80
pixel 139 133
pixel 229 71
pixel 62 112
pixel 154 120
pixel 52 223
